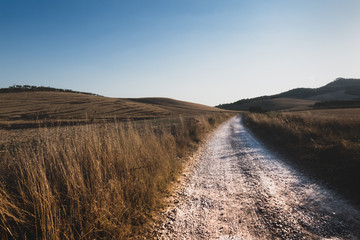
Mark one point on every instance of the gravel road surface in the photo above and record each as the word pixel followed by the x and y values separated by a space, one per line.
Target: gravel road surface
pixel 238 189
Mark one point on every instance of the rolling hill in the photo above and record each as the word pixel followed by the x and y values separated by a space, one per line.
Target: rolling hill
pixel 341 89
pixel 24 108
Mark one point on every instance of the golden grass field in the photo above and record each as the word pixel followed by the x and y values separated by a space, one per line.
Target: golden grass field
pixel 28 109
pixel 100 180
pixel 326 143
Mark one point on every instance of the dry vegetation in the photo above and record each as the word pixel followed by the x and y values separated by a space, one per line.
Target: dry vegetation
pixel 326 143
pixel 344 114
pixel 95 181
pixel 31 109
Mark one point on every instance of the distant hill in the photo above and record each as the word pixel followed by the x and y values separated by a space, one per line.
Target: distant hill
pixel 26 108
pixel 341 89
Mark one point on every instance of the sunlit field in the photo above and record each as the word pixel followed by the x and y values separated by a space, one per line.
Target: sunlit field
pixel 92 181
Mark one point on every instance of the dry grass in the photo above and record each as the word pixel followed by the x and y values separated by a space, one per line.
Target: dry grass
pixel 97 181
pixel 327 147
pixel 31 109
pixel 344 114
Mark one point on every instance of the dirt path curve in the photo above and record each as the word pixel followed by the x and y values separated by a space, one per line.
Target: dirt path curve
pixel 239 190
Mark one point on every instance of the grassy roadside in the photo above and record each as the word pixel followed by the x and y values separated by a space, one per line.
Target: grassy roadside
pixel 97 181
pixel 328 149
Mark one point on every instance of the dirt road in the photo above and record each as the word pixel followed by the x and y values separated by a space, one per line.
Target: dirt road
pixel 239 190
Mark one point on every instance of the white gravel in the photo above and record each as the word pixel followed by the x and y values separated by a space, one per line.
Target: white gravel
pixel 239 190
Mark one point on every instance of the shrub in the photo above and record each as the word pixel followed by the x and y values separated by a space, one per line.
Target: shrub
pixel 211 121
pixel 257 109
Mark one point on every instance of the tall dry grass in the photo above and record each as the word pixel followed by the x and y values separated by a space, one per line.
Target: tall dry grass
pixel 328 148
pixel 98 181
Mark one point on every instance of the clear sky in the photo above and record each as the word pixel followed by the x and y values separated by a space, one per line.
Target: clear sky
pixel 205 51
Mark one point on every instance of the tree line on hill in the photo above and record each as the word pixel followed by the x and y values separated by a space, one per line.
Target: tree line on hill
pixel 28 88
pixel 349 86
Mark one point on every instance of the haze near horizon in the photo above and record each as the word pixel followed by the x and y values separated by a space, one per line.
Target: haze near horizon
pixel 203 51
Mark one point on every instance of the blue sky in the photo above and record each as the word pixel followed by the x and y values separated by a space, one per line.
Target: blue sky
pixel 205 51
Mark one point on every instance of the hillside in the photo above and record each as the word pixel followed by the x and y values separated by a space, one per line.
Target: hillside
pixel 275 104
pixel 174 105
pixel 27 108
pixel 303 98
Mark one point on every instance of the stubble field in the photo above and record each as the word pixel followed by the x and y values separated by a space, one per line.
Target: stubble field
pixel 78 167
